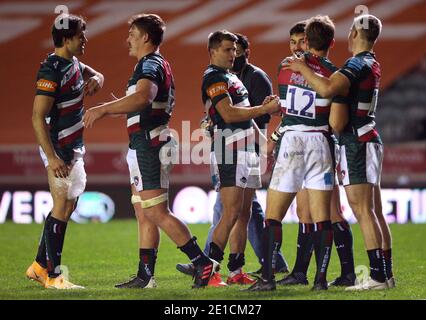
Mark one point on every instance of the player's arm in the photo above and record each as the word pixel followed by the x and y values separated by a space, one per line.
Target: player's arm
pixel 231 113
pixel 93 80
pixel 41 108
pixel 339 116
pixel 337 84
pixel 146 91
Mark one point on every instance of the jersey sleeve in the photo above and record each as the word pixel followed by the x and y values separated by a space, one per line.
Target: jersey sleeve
pixel 340 99
pixel 352 69
pixel 216 88
pixel 151 70
pixel 47 81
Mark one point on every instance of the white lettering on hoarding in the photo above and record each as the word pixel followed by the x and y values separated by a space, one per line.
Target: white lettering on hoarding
pixel 193 205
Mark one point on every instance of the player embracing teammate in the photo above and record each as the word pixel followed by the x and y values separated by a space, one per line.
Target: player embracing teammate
pixel 361 149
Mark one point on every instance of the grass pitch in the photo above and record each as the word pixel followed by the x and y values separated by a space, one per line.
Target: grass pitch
pixel 101 255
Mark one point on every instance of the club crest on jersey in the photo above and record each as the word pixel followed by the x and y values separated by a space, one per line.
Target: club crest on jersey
pixel 136 180
pixel 237 87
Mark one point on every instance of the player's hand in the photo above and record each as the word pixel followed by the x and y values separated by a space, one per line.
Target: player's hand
pixel 92 85
pixel 268 99
pixel 113 115
pixel 206 126
pixel 273 105
pixel 295 64
pixel 58 167
pixel 93 114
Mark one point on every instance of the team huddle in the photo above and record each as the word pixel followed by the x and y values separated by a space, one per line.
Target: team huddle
pixel 327 134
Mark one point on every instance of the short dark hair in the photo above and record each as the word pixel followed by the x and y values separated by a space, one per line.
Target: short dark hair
pixel 242 41
pixel 151 24
pixel 61 29
pixel 373 28
pixel 299 27
pixel 319 32
pixel 216 38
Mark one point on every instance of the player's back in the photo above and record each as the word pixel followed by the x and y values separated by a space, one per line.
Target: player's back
pixel 364 73
pixel 303 108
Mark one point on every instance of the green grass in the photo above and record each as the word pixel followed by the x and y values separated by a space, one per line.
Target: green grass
pixel 100 255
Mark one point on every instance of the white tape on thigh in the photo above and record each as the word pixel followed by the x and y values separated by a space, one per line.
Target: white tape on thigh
pixel 77 178
pixel 154 201
pixel 135 199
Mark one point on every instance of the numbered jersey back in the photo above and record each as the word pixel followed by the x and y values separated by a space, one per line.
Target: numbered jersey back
pixel 303 108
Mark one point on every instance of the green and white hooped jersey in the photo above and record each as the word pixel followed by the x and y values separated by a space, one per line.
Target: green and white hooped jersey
pixel 363 71
pixel 149 123
pixel 217 84
pixel 303 108
pixel 62 79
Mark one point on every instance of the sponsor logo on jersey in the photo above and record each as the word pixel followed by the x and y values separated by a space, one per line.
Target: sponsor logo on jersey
pixel 217 89
pixel 46 85
pixel 298 79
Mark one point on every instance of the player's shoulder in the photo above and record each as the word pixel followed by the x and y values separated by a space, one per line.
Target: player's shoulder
pixel 153 59
pixel 51 63
pixel 328 64
pixel 150 62
pixel 214 74
pixel 50 68
pixel 356 62
pixel 369 59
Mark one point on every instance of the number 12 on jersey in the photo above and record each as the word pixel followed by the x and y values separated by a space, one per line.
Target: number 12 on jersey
pixel 300 102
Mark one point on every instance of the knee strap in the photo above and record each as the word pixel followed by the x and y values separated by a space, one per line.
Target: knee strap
pixel 135 199
pixel 154 201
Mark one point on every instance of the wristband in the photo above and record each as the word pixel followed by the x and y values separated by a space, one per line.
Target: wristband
pixel 275 136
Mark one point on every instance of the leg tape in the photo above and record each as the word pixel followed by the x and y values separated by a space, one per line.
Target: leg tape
pixel 154 201
pixel 135 199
